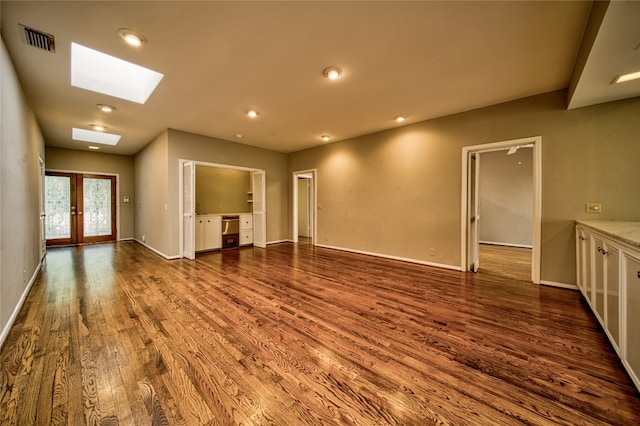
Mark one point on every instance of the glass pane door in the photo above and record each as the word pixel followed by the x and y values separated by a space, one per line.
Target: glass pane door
pixel 96 208
pixel 59 208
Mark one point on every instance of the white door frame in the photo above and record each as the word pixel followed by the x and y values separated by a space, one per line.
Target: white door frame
pixel 222 166
pixel 313 211
pixel 43 237
pixel 537 198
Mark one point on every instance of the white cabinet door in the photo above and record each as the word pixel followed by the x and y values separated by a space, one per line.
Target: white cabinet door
pixel 631 318
pixel 208 232
pixel 246 221
pixel 584 263
pixel 201 239
pixel 612 292
pixel 598 278
pixel 246 237
pixel 214 231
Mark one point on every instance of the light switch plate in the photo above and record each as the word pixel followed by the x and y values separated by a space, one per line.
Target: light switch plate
pixel 594 207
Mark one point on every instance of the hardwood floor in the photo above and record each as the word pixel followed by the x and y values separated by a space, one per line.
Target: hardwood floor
pixel 504 261
pixel 297 335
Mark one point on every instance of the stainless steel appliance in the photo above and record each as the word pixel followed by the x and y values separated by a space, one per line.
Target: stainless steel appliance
pixel 230 231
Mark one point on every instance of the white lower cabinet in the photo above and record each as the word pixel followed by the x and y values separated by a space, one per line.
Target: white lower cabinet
pixel 631 321
pixel 208 232
pixel 246 229
pixel 608 273
pixel 246 237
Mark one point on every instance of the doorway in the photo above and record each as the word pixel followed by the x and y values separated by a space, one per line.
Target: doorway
pixel 471 219
pixel 304 206
pixel 187 204
pixel 79 208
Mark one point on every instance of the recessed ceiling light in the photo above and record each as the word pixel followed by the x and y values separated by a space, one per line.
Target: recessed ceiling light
pixel 239 135
pixel 106 108
pixel 332 72
pixel 325 138
pixel 627 77
pixel 95 137
pixel 131 37
pixel 93 147
pixel 102 73
pixel 99 127
pixel 399 119
pixel 252 114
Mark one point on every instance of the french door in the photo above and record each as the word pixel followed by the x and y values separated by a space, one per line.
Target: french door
pixel 79 208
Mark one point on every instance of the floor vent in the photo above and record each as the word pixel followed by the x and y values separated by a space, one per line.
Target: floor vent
pixel 38 39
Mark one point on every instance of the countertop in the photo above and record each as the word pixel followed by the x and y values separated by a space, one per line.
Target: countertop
pixel 629 232
pixel 223 214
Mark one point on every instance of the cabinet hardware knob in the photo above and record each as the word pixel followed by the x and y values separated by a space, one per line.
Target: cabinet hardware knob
pixel 638 274
pixel 604 252
pixel 582 238
pixel 600 249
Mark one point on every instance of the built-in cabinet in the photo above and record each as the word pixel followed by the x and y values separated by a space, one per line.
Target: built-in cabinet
pixel 246 229
pixel 208 232
pixel 608 275
pixel 631 319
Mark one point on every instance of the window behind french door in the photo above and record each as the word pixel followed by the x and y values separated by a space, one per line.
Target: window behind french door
pixel 79 208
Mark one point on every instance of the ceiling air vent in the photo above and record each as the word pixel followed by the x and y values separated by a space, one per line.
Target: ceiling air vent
pixel 38 39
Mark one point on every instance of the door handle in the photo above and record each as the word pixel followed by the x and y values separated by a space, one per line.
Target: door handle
pixel 80 213
pixel 73 213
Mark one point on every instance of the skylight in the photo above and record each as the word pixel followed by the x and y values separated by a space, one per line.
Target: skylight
pixel 95 137
pixel 102 73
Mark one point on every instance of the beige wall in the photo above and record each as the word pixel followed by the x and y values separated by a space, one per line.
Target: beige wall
pixel 189 146
pixel 151 202
pixel 505 199
pixel 21 145
pixel 398 192
pixel 94 162
pixel 222 190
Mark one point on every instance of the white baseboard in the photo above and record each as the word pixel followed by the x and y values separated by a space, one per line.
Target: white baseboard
pixel 387 256
pixel 16 311
pixel 559 285
pixel 278 242
pixel 494 243
pixel 127 239
pixel 158 252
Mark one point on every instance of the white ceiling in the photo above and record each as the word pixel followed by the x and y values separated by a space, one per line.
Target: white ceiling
pixel 221 59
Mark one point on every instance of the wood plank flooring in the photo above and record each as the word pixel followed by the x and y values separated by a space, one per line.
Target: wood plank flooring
pixel 505 261
pixel 296 335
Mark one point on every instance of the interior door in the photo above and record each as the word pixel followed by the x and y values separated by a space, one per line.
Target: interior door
pixel 259 206
pixel 188 210
pixel 79 208
pixel 43 215
pixel 474 217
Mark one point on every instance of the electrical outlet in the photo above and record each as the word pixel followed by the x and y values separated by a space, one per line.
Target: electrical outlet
pixel 432 251
pixel 594 207
pixel 144 239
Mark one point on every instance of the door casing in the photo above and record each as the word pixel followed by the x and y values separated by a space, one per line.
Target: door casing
pixel 313 210
pixel 466 261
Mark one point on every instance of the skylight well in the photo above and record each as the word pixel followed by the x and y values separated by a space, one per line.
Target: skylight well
pixel 95 137
pixel 106 74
